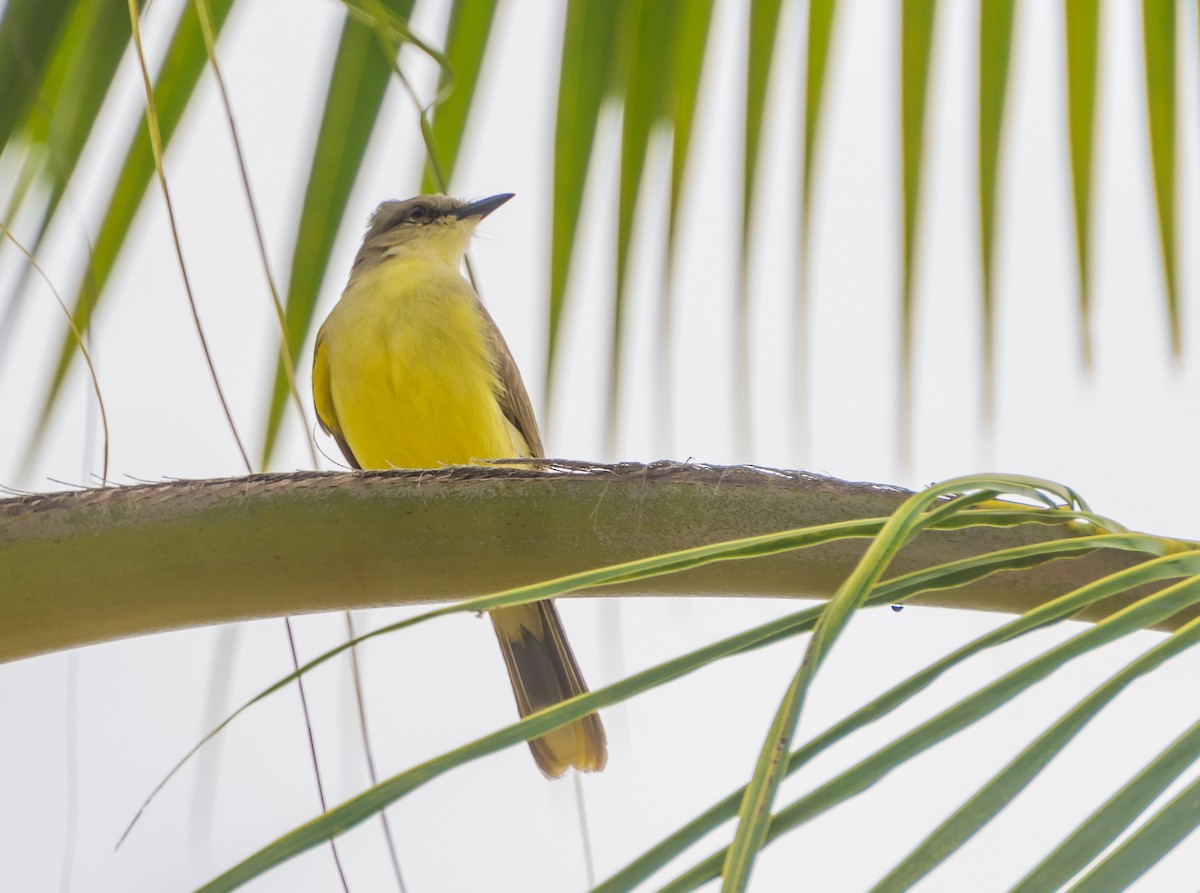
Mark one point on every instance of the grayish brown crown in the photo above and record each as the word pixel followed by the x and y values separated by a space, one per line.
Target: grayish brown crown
pixel 420 209
pixel 408 222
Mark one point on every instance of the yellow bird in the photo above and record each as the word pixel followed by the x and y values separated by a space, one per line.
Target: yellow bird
pixel 410 371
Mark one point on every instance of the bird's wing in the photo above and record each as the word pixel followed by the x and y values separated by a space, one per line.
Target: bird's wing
pixel 514 400
pixel 323 399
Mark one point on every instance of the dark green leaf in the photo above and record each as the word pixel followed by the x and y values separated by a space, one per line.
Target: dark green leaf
pixel 1153 840
pixel 897 589
pixel 1108 822
pixel 919 510
pixel 77 80
pixel 690 38
pixel 754 813
pixel 760 50
pixel 1158 32
pixel 177 78
pixel 76 83
pixel 1147 612
pixel 1082 28
pixel 821 16
pixel 647 33
pixel 29 30
pixel 916 44
pixel 357 84
pixel 589 37
pixel 1018 774
pixel 995 44
pixel 466 41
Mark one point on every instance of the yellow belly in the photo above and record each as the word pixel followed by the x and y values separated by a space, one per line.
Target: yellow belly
pixel 410 372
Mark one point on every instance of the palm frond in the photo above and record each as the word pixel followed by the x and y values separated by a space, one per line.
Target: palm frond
pixel 357 83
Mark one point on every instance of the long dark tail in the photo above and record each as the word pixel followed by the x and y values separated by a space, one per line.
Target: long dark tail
pixel 543 672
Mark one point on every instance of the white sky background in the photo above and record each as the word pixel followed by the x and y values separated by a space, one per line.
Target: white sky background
pixel 1120 438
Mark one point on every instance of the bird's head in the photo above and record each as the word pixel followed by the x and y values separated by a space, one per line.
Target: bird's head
pixel 434 226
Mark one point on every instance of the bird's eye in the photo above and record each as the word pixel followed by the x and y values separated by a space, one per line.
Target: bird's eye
pixel 419 212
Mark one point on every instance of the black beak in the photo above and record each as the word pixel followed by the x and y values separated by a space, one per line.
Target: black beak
pixel 481 208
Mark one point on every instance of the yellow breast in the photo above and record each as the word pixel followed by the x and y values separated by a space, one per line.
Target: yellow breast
pixel 410 372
